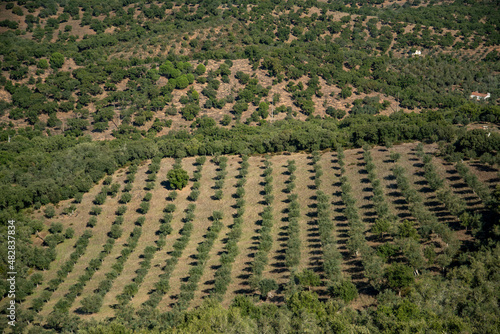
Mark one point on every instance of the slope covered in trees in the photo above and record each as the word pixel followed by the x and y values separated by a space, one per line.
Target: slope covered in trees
pixel 184 166
pixel 131 67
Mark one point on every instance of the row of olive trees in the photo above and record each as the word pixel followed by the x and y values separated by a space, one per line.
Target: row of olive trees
pixel 108 189
pixel 93 302
pixel 195 188
pixel 428 222
pixel 64 304
pixel 373 261
pixel 126 196
pixel 318 172
pixel 220 176
pixel 163 285
pixel 331 256
pixel 292 254
pixel 165 228
pixel 57 316
pixel 153 169
pixel 473 182
pixel 385 221
pixel 67 267
pixel 456 205
pixel 57 236
pixel 338 286
pixel 356 244
pixel 148 253
pixel 227 258
pixel 178 178
pixel 188 289
pixel 200 161
pixel 266 239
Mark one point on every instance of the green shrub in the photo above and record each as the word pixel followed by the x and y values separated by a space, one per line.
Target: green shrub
pixel 344 290
pixel 178 178
pixel 49 211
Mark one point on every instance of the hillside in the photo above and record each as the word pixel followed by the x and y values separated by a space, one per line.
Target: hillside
pixel 242 205
pixel 300 166
pixel 116 69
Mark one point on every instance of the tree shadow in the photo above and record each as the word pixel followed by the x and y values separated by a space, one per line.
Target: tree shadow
pixel 483 168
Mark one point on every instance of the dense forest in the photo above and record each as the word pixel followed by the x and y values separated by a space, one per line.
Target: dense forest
pixel 90 88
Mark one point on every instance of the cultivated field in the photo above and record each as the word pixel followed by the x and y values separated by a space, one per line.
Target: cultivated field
pixel 169 256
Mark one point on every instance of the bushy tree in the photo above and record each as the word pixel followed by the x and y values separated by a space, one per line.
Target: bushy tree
pixel 395 156
pixel 344 290
pixel 43 64
pixel 308 278
pixel 346 92
pixel 144 207
pixel 92 303
pixel 381 226
pixel 140 220
pixel 92 222
pixel 172 196
pixel 55 228
pixel 399 276
pixel 200 69
pixel 225 120
pixel 115 232
pixel 95 210
pixel 178 178
pixel 267 285
pixel 56 60
pixel 182 82
pixel 49 211
pixel 190 111
pixel 121 210
pixel 78 197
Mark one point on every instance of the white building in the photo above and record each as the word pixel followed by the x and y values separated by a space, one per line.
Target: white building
pixel 479 96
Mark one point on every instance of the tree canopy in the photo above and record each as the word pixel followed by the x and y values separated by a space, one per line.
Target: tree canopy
pixel 178 178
